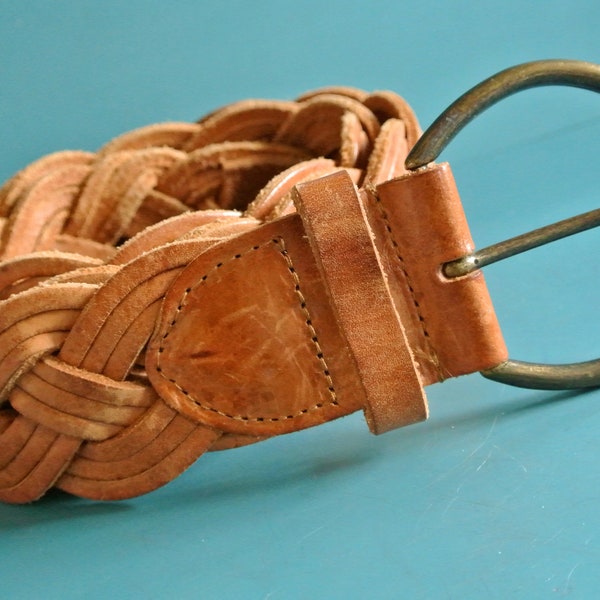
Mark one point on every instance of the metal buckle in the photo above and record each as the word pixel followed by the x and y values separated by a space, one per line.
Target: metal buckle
pixel 436 138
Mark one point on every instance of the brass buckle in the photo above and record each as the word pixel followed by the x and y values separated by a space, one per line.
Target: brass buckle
pixel 436 138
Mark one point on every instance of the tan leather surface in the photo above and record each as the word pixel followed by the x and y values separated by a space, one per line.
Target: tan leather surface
pixel 420 224
pixel 247 342
pixel 162 297
pixel 341 240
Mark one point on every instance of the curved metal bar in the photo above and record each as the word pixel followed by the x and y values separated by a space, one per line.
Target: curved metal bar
pixel 546 377
pixel 510 81
pixel 571 73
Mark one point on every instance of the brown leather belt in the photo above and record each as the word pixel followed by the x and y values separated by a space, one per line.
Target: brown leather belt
pixel 195 287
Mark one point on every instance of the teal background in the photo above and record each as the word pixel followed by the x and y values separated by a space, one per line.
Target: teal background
pixel 497 495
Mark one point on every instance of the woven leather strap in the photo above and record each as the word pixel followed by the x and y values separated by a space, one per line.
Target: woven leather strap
pixel 163 296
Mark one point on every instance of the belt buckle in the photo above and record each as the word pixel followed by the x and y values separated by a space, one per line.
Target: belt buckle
pixel 487 93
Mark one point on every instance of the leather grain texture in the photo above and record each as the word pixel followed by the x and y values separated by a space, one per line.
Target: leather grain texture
pixel 336 226
pixel 247 341
pixel 420 225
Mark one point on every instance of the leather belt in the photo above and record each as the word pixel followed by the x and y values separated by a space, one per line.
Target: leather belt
pixel 203 286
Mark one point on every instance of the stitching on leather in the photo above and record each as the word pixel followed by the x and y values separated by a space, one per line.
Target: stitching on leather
pixel 279 242
pixel 409 282
pixel 314 338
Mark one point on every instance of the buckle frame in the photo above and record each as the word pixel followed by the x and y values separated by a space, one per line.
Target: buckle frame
pixel 487 93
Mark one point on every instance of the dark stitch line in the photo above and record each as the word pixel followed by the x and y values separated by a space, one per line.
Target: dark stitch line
pixel 320 357
pixel 315 339
pixel 406 275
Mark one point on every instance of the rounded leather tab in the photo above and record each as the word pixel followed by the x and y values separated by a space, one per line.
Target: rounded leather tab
pixel 247 342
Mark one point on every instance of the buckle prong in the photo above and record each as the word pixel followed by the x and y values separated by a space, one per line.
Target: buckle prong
pixel 528 75
pixel 521 243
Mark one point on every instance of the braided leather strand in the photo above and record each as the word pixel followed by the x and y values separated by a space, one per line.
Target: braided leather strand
pixel 91 242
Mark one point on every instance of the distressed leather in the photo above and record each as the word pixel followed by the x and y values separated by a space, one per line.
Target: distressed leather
pixel 202 286
pixel 419 225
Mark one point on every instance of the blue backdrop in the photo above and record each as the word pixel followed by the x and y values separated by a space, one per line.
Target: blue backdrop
pixel 497 495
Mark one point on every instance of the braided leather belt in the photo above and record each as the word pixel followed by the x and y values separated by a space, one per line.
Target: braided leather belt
pixel 195 287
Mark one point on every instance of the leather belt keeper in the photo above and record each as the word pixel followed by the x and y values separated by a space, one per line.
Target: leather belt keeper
pixel 210 328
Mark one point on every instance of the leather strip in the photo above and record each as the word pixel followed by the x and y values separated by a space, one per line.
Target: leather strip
pixel 342 242
pixel 420 225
